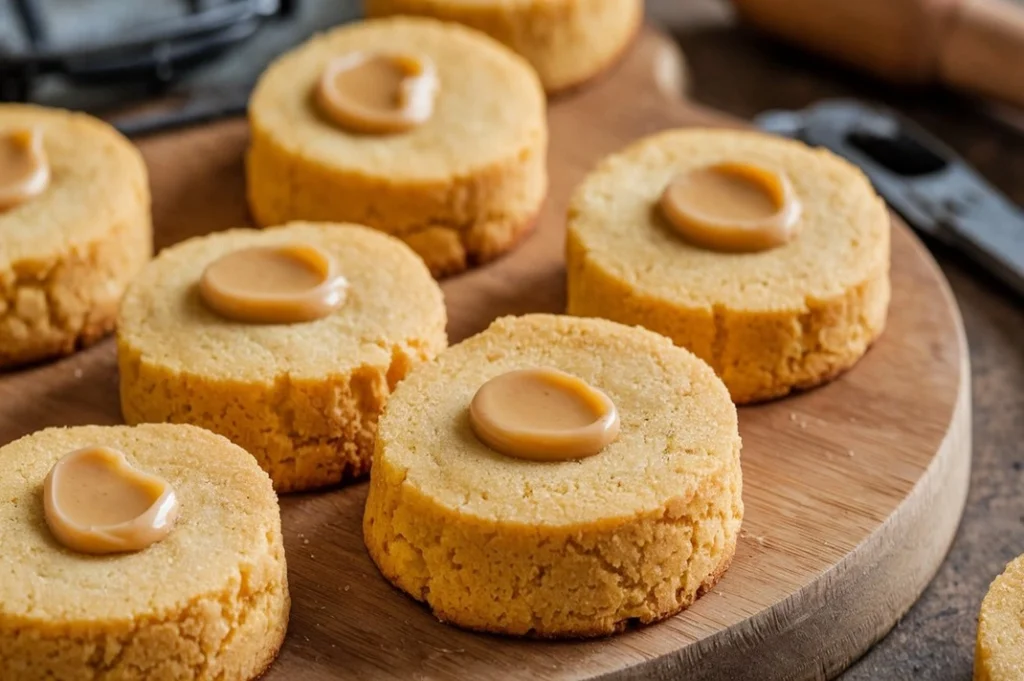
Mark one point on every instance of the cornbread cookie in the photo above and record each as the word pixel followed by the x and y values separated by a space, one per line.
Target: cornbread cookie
pixel 67 253
pixel 208 601
pixel 460 188
pixel 1000 651
pixel 567 41
pixel 770 321
pixel 567 548
pixel 303 398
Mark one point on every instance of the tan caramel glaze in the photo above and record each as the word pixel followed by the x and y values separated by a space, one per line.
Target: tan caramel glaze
pixel 24 168
pixel 281 284
pixel 95 502
pixel 732 206
pixel 378 93
pixel 544 415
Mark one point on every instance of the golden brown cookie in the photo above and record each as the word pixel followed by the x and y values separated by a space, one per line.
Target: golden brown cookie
pixel 567 41
pixel 67 254
pixel 302 398
pixel 460 188
pixel 999 655
pixel 565 548
pixel 210 600
pixel 769 321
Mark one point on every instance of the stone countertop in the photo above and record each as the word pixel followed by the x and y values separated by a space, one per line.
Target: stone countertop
pixel 733 70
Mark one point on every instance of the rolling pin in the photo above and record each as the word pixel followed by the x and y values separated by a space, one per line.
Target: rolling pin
pixel 975 45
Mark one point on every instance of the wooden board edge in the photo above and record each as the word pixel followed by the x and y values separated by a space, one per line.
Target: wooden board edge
pixel 671 73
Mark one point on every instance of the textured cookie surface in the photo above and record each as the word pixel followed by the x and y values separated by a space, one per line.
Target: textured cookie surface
pixel 567 41
pixel 558 549
pixel 768 322
pixel 210 601
pixel 67 254
pixel 461 188
pixel 999 655
pixel 302 398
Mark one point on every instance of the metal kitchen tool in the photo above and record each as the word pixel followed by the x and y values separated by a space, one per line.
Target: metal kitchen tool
pixel 155 52
pixel 932 188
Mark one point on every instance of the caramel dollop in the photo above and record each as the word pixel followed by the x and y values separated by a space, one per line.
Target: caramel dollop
pixel 378 93
pixel 732 206
pixel 543 414
pixel 96 502
pixel 24 168
pixel 281 284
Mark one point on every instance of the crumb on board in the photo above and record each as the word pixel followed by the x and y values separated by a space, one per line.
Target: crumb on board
pixel 754 537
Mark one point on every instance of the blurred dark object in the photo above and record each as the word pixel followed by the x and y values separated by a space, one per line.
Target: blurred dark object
pixel 934 190
pixel 976 45
pixel 201 105
pixel 154 54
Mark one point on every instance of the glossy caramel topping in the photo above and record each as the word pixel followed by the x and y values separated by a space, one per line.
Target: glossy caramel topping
pixel 378 93
pixel 732 206
pixel 24 169
pixel 281 284
pixel 543 414
pixel 96 502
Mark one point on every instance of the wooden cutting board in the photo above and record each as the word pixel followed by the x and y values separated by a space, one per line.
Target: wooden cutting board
pixel 853 491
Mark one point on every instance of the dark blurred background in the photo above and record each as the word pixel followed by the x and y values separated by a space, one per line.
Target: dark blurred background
pixel 81 23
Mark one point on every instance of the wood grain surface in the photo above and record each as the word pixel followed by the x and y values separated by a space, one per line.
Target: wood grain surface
pixel 853 491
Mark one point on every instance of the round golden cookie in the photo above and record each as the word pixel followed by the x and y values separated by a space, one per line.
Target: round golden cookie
pixel 302 398
pixel 768 322
pixel 208 601
pixel 558 549
pixel 566 41
pixel 67 254
pixel 461 188
pixel 999 655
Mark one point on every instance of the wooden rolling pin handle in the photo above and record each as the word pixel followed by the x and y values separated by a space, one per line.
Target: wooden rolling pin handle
pixel 984 50
pixel 900 40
